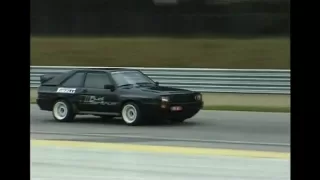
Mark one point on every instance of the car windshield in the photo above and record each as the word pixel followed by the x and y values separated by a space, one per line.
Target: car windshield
pixel 131 78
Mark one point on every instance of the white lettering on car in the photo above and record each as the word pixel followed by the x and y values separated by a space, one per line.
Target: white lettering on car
pixel 95 100
pixel 66 90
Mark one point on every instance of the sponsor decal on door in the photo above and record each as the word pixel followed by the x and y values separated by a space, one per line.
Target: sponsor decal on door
pixel 96 100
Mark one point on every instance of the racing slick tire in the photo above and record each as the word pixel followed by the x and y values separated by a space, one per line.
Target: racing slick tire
pixel 131 114
pixel 62 111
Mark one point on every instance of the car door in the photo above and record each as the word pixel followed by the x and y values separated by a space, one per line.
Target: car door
pixel 95 98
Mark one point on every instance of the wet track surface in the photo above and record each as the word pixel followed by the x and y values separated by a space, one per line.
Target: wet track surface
pixel 213 129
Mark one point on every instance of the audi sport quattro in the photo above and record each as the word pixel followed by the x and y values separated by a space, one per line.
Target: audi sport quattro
pixel 109 93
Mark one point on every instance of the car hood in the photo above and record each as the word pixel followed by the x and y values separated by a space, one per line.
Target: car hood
pixel 163 90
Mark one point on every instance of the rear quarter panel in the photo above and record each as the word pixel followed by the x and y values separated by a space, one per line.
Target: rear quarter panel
pixel 47 95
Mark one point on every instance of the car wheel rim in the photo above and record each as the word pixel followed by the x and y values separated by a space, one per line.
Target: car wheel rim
pixel 60 110
pixel 129 113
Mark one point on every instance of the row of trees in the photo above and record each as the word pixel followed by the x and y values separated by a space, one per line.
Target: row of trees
pixel 143 17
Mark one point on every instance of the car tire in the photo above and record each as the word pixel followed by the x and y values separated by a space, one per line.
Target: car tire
pixel 131 115
pixel 62 111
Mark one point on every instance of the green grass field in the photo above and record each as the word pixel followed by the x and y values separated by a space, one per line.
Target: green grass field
pixel 162 52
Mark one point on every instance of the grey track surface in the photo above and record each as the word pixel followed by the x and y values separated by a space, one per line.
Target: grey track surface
pixel 212 129
pixel 85 164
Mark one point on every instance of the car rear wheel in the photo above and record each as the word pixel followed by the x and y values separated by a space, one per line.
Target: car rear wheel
pixel 131 114
pixel 62 111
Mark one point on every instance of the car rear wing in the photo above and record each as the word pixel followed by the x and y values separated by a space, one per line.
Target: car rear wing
pixel 46 78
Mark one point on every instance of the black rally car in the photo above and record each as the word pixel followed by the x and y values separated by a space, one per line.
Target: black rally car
pixel 107 93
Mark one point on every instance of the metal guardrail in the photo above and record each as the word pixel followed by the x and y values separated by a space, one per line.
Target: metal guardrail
pixel 258 81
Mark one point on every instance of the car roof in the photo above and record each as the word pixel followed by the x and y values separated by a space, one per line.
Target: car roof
pixel 61 77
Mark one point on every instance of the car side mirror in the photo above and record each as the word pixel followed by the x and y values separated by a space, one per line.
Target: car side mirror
pixel 157 83
pixel 108 86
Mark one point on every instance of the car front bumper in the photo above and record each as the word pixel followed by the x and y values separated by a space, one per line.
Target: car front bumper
pixel 188 110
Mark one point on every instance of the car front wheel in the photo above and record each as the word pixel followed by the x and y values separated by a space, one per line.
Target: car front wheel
pixel 131 114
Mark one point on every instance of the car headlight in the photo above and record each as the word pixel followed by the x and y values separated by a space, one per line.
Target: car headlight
pixel 165 99
pixel 198 97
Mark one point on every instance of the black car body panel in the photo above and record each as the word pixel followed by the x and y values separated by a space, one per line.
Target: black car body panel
pixel 108 95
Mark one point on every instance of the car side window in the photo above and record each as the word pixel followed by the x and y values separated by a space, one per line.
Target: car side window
pixel 97 80
pixel 75 80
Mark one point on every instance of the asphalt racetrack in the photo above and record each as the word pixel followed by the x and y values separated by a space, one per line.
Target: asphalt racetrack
pixel 62 163
pixel 208 129
pixel 213 145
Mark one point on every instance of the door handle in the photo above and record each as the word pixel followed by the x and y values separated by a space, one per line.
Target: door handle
pixel 84 91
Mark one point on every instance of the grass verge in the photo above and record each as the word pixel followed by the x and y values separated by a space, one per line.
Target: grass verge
pixel 261 53
pixel 233 108
pixel 248 108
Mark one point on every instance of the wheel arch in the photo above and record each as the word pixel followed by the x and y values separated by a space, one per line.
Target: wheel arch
pixel 137 102
pixel 64 99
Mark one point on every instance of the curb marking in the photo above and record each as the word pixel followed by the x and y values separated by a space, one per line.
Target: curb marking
pixel 163 149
